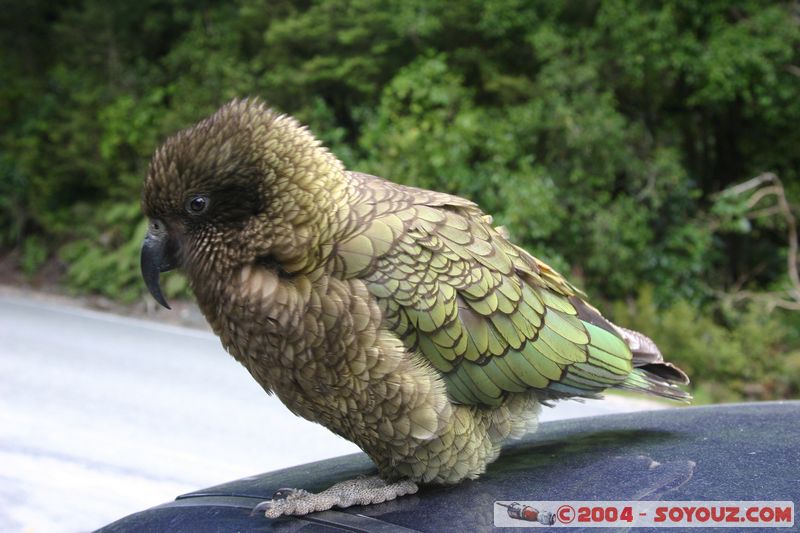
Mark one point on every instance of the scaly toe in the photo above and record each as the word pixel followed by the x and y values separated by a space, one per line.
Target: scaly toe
pixel 275 508
pixel 359 491
pixel 278 509
pixel 261 507
pixel 285 501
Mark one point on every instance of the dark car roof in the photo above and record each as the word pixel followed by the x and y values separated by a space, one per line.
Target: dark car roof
pixel 726 452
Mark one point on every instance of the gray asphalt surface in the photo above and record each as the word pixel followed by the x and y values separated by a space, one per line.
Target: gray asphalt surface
pixel 102 415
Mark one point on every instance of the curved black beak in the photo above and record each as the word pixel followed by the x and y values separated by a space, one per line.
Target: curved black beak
pixel 159 254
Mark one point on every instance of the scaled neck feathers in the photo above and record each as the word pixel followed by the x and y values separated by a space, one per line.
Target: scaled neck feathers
pixel 309 189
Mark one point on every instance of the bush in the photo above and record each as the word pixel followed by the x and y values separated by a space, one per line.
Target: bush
pixel 105 258
pixel 729 354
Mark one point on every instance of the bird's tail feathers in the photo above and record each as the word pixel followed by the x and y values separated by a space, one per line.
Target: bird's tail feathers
pixel 651 374
pixel 643 380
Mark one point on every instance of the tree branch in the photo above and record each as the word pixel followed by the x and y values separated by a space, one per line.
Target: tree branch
pixel 768 185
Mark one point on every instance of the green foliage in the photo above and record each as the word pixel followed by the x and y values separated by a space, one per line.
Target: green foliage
pixel 731 213
pixel 599 133
pixel 742 354
pixel 12 208
pixel 426 129
pixel 34 255
pixel 105 258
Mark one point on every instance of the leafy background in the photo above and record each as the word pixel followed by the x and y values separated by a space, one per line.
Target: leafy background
pixel 603 134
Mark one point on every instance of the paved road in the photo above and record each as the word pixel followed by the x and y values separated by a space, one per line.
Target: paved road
pixel 101 416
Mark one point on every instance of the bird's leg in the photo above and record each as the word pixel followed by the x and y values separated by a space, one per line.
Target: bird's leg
pixel 359 491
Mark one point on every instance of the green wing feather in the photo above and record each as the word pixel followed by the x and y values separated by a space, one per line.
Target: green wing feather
pixel 486 314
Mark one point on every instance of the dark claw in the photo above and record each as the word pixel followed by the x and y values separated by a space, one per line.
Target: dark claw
pixel 282 494
pixel 261 508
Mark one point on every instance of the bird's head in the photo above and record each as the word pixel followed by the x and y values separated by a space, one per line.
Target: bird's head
pixel 245 185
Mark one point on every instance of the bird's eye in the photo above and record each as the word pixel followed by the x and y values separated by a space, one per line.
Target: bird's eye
pixel 197 204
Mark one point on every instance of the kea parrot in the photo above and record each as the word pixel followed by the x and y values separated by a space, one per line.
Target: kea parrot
pixel 397 317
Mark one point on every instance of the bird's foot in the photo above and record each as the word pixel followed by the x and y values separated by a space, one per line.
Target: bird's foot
pixel 359 491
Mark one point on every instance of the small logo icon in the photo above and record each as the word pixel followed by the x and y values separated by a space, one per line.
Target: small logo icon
pixel 517 511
